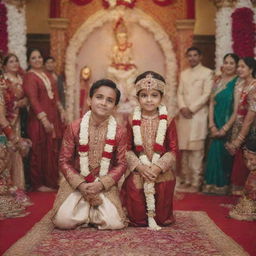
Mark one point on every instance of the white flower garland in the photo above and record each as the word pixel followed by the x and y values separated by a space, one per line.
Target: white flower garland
pixel 96 21
pixel 84 140
pixel 17 30
pixel 224 41
pixel 149 188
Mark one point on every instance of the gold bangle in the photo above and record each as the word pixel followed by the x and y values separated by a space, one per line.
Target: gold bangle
pixel 41 115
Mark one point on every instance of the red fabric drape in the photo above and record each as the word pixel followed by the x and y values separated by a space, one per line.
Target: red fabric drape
pixel 55 8
pixel 3 29
pixel 81 2
pixel 190 9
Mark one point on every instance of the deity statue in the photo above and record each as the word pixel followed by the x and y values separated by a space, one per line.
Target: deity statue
pixel 122 69
pixel 246 207
pixel 85 75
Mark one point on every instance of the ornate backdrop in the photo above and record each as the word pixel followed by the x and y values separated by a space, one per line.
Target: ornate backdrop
pixel 81 34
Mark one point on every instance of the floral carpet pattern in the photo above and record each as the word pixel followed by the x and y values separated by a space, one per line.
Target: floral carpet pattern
pixel 194 233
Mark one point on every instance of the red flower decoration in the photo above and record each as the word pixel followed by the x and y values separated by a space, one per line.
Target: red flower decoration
pixel 105 3
pixel 161 117
pixel 107 155
pixel 89 178
pixel 81 2
pixel 3 29
pixel 158 148
pixel 243 32
pixel 83 148
pixel 163 2
pixel 136 122
pixel 139 148
pixel 111 142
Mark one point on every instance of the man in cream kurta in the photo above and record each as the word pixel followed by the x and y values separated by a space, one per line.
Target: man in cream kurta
pixel 193 95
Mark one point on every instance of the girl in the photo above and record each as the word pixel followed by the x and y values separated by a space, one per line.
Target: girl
pixel 147 192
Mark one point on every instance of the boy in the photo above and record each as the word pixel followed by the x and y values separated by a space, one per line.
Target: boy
pixel 92 160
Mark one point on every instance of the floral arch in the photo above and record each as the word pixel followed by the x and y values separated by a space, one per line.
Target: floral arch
pixel 96 21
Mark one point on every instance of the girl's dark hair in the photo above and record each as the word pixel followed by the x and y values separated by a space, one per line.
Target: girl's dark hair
pixel 154 74
pixel 7 57
pixel 233 56
pixel 29 52
pixel 251 63
pixel 49 58
pixel 105 82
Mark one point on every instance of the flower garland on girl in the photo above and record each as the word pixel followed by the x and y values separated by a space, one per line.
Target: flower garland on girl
pixel 149 189
pixel 84 146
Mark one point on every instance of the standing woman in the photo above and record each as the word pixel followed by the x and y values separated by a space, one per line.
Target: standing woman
pixel 245 123
pixel 44 124
pixel 14 100
pixel 222 111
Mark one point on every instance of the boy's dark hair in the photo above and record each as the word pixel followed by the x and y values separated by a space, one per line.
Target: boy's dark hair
pixel 49 58
pixel 193 48
pixel 154 74
pixel 105 82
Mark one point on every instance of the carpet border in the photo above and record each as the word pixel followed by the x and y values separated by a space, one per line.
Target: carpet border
pixel 224 243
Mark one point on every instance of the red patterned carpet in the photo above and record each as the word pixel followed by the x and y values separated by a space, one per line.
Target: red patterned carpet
pixel 193 234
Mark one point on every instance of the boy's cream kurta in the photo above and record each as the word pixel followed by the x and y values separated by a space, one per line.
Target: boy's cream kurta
pixel 194 92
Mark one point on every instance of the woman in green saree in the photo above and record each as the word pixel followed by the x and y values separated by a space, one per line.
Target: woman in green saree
pixel 222 111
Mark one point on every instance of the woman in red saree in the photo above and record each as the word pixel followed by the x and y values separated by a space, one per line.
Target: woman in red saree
pixel 44 124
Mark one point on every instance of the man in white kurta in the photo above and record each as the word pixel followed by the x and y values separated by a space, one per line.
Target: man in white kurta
pixel 193 96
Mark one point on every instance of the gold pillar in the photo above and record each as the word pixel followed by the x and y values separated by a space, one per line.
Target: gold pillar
pixel 58 28
pixel 224 3
pixel 185 32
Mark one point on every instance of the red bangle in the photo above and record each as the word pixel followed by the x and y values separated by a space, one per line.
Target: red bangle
pixel 8 131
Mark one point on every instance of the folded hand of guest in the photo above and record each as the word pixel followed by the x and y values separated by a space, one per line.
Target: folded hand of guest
pixel 186 113
pixel 231 148
pixel 214 132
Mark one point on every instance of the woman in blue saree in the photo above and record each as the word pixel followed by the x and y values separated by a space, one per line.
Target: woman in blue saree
pixel 222 111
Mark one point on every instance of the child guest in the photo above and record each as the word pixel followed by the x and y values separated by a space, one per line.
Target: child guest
pixel 92 159
pixel 147 192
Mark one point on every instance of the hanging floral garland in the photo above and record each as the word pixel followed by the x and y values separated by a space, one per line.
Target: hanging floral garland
pixel 17 30
pixel 163 2
pixel 243 32
pixel 84 147
pixel 149 187
pixel 112 3
pixel 223 35
pixel 81 2
pixel 3 28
